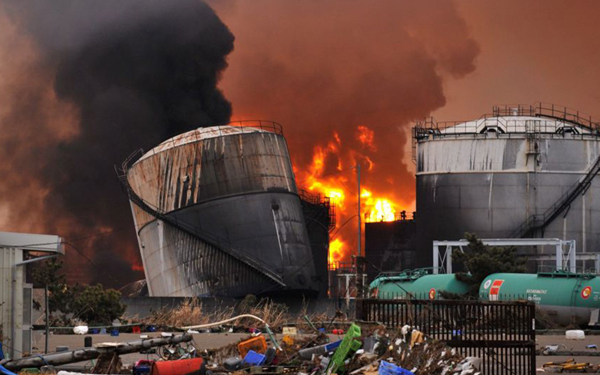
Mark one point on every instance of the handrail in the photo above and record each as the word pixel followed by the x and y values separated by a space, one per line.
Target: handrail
pixel 271 126
pixel 500 113
pixel 534 222
pixel 323 201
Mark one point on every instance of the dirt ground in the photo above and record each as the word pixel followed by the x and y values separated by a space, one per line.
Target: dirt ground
pixel 578 345
pixel 216 340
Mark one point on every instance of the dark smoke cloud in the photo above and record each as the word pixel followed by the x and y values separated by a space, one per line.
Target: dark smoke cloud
pixel 325 67
pixel 127 74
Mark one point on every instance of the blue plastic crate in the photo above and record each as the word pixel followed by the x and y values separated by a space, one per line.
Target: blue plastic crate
pixel 142 370
pixel 254 359
pixel 386 368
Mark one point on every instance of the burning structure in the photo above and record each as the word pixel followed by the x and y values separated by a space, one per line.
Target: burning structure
pixel 217 212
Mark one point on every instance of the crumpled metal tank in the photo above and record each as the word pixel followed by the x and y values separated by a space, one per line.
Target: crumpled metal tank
pixel 217 212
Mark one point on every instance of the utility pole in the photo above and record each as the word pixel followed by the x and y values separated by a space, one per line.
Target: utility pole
pixel 358 260
pixel 359 218
pixel 47 313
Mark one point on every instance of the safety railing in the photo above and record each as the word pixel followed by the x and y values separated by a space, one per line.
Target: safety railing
pixel 500 122
pixel 396 216
pixel 534 222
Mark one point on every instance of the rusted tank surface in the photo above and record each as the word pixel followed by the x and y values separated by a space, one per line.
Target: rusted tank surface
pixel 506 174
pixel 219 214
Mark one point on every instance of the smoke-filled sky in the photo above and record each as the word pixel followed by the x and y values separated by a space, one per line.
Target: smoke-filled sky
pixel 85 83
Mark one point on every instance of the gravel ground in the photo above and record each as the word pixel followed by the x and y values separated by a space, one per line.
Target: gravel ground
pixel 217 340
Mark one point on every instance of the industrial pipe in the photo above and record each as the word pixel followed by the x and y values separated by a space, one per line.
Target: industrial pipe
pixel 57 359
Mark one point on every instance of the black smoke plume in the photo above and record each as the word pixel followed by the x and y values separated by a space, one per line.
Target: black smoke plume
pixel 130 74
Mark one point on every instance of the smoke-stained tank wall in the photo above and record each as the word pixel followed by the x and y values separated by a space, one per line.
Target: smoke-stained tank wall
pixel 235 186
pixel 491 175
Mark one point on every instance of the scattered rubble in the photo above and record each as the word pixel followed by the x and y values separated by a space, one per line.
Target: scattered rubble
pixel 363 349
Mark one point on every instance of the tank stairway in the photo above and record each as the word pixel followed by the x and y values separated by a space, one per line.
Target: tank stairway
pixel 540 222
pixel 209 239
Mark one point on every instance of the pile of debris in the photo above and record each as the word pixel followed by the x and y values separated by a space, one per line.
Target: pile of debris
pixel 380 352
pixel 370 350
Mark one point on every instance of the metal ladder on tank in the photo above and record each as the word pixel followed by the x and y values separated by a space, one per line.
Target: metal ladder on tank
pixel 210 239
pixel 540 222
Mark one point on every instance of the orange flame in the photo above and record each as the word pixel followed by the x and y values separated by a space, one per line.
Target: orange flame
pixel 331 174
pixel 336 252
pixel 366 136
pixel 137 267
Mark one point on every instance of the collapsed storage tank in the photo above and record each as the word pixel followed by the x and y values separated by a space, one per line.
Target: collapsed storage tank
pixel 521 171
pixel 417 284
pixel 567 298
pixel 217 212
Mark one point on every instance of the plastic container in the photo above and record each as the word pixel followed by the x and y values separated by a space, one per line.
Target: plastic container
pixel 190 366
pixel 80 330
pixel 257 344
pixel 386 368
pixel 575 334
pixel 270 356
pixel 142 367
pixel 232 364
pixel 254 359
pixel 136 329
pixel 348 346
pixel 114 332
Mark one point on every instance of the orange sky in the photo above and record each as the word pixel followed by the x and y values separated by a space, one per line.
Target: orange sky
pixel 530 51
pixel 324 67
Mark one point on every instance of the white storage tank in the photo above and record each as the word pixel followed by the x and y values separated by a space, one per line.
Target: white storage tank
pixel 522 171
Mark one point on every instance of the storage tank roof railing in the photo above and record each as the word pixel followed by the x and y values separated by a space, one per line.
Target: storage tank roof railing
pixel 541 118
pixel 233 128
